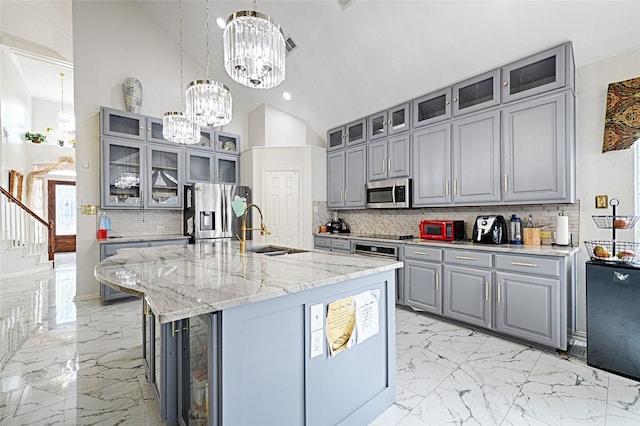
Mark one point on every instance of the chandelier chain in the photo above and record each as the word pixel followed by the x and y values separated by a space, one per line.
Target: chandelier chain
pixel 181 57
pixel 207 38
pixel 62 92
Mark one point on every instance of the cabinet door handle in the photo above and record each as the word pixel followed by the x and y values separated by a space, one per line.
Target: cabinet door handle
pixel 345 195
pixel 465 258
pixel 505 84
pixel 499 292
pixel 437 282
pixel 185 327
pixel 384 165
pixel 446 103
pixel 506 182
pixel 455 187
pixel 423 253
pixel 145 308
pixel 446 187
pixel 388 121
pixel 389 165
pixel 174 330
pixel 486 290
pixel 531 265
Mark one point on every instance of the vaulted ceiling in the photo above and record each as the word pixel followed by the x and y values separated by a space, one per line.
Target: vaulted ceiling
pixel 355 61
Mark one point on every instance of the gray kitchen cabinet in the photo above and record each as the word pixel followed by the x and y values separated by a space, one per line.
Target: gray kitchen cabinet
pixel 346 178
pixel 154 131
pixel 199 165
pixel 122 124
pixel 467 285
pixel 389 122
pixel 431 108
pixel 332 244
pixel 350 134
pixel 538 149
pixel 476 93
pixel 476 158
pixel 164 178
pixel 108 294
pixel 225 142
pixel 531 298
pixel 431 152
pixel 336 138
pixel 539 73
pixel 227 169
pixel 389 158
pixel 322 243
pixel 422 278
pixel 123 173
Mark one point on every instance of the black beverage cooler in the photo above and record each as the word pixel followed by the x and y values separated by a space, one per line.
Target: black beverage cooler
pixel 613 317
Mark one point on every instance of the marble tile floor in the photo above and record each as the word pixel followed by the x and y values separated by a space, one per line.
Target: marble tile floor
pixel 79 363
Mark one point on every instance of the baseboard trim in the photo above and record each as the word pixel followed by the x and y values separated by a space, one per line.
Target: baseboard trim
pixel 86 297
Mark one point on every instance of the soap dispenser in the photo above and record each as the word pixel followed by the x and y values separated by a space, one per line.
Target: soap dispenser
pixel 516 230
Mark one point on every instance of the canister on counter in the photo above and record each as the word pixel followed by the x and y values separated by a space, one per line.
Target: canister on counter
pixel 530 233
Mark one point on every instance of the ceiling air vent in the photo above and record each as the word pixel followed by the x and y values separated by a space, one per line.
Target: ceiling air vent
pixel 290 44
pixel 345 3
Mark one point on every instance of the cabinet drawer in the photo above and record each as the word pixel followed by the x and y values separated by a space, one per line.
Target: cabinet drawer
pixel 322 243
pixel 470 258
pixel 340 244
pixel 529 264
pixel 420 252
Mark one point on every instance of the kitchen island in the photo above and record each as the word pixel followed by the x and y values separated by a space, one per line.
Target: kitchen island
pixel 241 338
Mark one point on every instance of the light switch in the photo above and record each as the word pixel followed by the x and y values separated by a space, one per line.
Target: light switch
pixel 316 317
pixel 85 164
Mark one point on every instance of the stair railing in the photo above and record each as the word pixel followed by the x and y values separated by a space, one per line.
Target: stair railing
pixel 24 228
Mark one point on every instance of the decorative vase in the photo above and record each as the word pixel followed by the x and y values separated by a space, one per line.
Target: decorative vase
pixel 132 89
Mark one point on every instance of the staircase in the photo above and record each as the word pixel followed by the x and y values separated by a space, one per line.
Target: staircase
pixel 24 239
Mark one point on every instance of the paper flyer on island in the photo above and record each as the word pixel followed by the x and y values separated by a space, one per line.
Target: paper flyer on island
pixel 352 320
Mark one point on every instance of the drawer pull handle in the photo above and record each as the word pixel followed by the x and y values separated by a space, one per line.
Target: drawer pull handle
pixel 424 253
pixel 531 265
pixel 465 258
pixel 486 290
pixel 498 292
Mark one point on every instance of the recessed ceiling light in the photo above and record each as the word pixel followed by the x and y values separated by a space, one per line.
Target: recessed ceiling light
pixel 286 96
pixel 221 22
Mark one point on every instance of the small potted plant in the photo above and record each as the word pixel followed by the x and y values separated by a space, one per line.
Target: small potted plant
pixel 35 137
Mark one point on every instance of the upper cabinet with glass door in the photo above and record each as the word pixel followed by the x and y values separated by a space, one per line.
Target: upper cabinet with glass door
pixel 477 93
pixel 545 71
pixel 122 176
pixel 350 134
pixel 164 182
pixel 123 124
pixel 431 108
pixel 389 122
pixel 229 143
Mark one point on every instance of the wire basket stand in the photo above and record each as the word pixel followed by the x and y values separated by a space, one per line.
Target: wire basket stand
pixel 614 250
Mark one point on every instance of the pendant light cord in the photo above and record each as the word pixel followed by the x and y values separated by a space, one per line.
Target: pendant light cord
pixel 181 54
pixel 207 38
pixel 62 92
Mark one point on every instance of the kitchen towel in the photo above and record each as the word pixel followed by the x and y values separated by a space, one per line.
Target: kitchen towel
pixel 562 230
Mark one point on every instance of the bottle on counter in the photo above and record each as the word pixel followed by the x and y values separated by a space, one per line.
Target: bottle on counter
pixel 516 229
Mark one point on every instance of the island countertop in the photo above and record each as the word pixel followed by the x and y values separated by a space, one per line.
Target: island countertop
pixel 179 282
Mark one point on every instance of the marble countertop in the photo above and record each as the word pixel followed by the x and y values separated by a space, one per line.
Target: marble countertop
pixel 545 250
pixel 139 238
pixel 183 281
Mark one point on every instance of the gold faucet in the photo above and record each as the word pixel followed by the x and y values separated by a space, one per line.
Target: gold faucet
pixel 263 229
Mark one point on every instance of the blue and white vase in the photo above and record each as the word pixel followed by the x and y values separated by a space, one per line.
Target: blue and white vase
pixel 132 89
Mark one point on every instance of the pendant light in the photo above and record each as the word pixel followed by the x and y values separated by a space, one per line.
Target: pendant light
pixel 176 127
pixel 66 122
pixel 254 49
pixel 208 102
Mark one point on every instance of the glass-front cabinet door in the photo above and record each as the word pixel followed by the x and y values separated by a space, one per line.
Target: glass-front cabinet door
pixel 199 166
pixel 154 131
pixel 122 174
pixel 356 132
pixel 227 142
pixel 399 119
pixel 123 124
pixel 378 125
pixel 432 108
pixel 227 169
pixel 164 189
pixel 477 93
pixel 536 74
pixel 335 138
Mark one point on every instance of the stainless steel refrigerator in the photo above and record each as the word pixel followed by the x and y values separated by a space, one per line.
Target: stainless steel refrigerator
pixel 208 213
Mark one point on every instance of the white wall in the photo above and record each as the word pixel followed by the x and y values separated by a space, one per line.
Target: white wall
pixel 611 173
pixel 113 41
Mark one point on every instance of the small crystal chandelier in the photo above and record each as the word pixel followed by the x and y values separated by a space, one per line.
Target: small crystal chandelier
pixel 66 122
pixel 176 127
pixel 209 102
pixel 254 49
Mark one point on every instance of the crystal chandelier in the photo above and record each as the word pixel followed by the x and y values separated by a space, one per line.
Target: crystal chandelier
pixel 254 49
pixel 176 127
pixel 66 122
pixel 208 102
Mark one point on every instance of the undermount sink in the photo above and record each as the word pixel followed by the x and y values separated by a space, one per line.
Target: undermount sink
pixel 272 250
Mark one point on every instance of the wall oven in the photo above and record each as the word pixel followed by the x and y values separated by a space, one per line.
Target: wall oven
pixel 389 194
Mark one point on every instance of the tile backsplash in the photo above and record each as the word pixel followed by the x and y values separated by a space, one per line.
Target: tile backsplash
pixel 134 223
pixel 407 221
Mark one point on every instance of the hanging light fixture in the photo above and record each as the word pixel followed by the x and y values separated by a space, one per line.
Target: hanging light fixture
pixel 208 102
pixel 254 49
pixel 66 122
pixel 176 127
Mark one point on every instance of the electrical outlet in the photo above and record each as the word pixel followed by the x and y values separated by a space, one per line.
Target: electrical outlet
pixel 160 228
pixel 316 343
pixel 88 209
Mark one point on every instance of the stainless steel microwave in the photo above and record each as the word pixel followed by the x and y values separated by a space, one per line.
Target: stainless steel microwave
pixel 389 194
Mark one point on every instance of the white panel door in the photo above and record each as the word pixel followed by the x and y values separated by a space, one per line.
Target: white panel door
pixel 282 206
